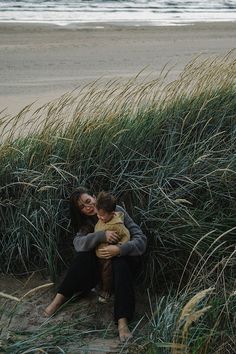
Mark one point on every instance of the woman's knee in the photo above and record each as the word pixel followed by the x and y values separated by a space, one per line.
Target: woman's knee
pixel 84 260
pixel 119 263
pixel 121 268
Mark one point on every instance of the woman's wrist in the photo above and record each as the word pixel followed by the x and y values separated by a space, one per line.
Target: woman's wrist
pixel 119 251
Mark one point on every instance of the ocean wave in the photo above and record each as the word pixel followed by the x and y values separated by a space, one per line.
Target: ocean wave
pixel 68 11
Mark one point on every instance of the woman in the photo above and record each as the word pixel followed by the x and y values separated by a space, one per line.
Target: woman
pixel 83 275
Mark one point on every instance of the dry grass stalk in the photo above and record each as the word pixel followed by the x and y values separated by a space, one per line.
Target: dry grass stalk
pixel 10 297
pixel 193 317
pixel 30 292
pixel 188 316
pixel 178 348
pixel 188 308
pixel 103 99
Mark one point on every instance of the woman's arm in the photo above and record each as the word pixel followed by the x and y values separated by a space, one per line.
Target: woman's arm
pixel 135 247
pixel 138 241
pixel 84 243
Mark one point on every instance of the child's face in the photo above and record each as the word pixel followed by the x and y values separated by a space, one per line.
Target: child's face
pixel 104 215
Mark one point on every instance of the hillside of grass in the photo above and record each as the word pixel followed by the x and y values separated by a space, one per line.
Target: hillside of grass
pixel 168 153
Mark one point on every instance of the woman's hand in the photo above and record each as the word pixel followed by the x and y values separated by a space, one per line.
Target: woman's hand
pixel 109 251
pixel 112 237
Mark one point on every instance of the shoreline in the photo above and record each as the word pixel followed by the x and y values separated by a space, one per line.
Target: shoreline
pixel 163 19
pixel 40 62
pixel 116 24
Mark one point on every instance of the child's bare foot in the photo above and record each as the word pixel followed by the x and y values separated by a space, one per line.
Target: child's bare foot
pixel 104 297
pixel 55 304
pixel 123 329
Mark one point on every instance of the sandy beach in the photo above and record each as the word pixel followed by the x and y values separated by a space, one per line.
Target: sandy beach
pixel 41 62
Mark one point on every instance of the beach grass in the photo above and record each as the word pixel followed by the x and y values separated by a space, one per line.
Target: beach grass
pixel 167 151
pixel 191 322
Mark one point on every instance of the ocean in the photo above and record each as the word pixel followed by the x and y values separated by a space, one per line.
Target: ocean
pixel 153 12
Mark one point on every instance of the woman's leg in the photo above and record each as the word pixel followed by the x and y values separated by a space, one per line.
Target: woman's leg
pixel 123 269
pixel 81 276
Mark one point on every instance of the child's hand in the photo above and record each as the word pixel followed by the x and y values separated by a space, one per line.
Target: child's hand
pixel 109 251
pixel 112 237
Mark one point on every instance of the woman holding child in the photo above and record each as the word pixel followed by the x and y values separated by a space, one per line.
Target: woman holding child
pixel 121 257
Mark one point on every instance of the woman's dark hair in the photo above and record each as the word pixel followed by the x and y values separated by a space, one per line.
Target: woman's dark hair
pixel 79 221
pixel 106 201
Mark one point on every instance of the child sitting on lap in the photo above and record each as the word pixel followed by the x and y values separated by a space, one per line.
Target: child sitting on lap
pixel 110 220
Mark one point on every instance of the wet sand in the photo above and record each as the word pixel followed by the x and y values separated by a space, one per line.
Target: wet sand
pixel 41 62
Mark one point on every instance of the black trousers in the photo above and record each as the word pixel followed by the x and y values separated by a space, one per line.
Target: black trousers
pixel 83 275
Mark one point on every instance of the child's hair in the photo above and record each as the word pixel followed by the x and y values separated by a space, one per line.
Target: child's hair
pixel 106 201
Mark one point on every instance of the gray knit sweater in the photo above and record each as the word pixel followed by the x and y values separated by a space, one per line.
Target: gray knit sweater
pixel 136 246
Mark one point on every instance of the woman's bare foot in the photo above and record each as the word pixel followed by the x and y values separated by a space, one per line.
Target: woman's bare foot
pixel 58 300
pixel 123 329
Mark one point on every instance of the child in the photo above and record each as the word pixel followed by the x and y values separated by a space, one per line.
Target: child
pixel 110 220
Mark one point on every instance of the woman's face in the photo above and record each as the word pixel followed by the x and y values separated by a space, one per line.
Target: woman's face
pixel 86 204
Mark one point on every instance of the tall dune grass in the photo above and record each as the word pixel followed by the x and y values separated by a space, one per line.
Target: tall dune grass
pixel 168 153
